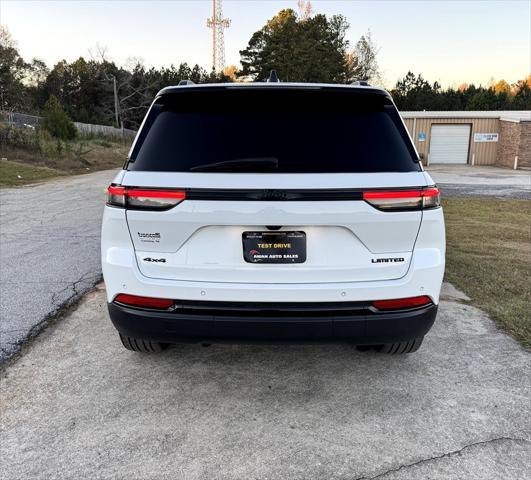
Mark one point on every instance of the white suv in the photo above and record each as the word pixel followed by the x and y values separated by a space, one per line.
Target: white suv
pixel 273 212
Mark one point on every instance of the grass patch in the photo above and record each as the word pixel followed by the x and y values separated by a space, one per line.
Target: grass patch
pixel 14 174
pixel 489 258
pixel 46 157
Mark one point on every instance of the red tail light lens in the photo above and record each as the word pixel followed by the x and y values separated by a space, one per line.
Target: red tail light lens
pixel 416 199
pixel 116 196
pixel 143 302
pixel 159 199
pixel 431 197
pixel 401 303
pixel 153 199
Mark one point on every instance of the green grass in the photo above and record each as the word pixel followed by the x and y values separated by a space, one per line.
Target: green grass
pixel 34 156
pixel 14 174
pixel 489 258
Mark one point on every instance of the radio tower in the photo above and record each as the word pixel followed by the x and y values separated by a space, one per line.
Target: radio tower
pixel 218 24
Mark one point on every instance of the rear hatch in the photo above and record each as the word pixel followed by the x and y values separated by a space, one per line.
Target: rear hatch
pixel 273 181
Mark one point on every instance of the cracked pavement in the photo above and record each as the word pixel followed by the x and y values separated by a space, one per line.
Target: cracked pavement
pixel 49 252
pixel 78 405
pixel 75 404
pixel 404 472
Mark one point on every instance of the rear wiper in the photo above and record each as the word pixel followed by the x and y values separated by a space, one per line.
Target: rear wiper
pixel 260 164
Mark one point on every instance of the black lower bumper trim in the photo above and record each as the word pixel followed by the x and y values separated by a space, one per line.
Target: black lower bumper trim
pixel 321 325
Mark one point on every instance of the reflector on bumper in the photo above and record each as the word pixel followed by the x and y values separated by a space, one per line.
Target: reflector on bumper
pixel 401 303
pixel 143 302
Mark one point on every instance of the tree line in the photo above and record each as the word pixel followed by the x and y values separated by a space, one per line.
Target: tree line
pixel 413 92
pixel 94 90
pixel 301 47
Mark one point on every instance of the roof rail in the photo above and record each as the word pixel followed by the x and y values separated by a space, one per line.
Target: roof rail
pixel 273 77
pixel 361 83
pixel 186 82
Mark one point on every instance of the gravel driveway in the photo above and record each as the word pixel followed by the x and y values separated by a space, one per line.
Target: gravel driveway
pixel 78 405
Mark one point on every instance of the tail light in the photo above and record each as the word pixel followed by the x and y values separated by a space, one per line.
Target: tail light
pixel 401 303
pixel 143 302
pixel 143 198
pixel 418 199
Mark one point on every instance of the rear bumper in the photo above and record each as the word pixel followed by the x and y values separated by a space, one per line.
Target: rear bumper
pixel 122 274
pixel 255 325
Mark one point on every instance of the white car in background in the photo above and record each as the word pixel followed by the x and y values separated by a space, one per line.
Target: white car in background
pixel 273 212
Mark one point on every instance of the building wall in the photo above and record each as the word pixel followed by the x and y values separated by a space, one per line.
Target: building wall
pixel 509 143
pixel 484 153
pixel 524 152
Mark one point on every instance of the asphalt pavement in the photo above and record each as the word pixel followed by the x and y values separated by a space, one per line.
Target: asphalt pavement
pixel 49 252
pixel 50 241
pixel 478 181
pixel 78 405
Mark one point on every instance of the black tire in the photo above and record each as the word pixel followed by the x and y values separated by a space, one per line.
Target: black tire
pixel 141 345
pixel 398 348
pixel 366 348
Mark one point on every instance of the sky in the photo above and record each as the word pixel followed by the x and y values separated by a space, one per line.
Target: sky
pixel 448 41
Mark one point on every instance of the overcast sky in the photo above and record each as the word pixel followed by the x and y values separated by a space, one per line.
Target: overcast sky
pixel 448 41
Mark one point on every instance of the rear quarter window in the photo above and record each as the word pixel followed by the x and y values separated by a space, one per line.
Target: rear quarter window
pixel 300 131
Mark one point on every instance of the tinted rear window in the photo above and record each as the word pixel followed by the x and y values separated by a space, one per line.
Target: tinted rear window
pixel 312 131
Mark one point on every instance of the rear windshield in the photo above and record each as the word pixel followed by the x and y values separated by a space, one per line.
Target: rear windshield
pixel 284 131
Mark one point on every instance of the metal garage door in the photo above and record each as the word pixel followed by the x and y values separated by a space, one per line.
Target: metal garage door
pixel 449 143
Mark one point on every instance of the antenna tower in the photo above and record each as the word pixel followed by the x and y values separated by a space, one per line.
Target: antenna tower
pixel 218 24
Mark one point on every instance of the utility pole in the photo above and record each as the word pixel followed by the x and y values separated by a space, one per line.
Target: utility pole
pixel 218 24
pixel 116 103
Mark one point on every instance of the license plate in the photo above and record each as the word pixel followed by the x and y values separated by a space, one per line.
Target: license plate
pixel 274 247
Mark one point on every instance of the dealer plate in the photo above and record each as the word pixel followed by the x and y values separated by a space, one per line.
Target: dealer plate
pixel 274 247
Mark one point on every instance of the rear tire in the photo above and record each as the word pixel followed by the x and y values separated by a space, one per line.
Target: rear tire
pixel 366 348
pixel 397 348
pixel 141 345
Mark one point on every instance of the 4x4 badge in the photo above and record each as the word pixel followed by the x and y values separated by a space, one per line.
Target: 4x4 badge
pixel 155 260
